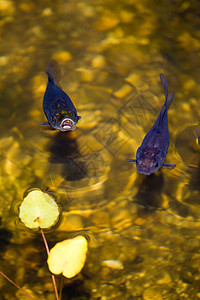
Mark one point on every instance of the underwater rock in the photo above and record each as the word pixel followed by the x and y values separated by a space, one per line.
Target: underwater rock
pixel 113 264
pixel 107 21
pixel 98 61
pixel 62 56
pixel 164 278
pixel 152 293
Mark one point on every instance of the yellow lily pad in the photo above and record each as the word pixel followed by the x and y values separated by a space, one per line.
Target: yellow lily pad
pixel 38 210
pixel 68 257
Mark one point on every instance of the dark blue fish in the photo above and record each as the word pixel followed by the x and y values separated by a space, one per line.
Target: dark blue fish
pixel 58 107
pixel 151 154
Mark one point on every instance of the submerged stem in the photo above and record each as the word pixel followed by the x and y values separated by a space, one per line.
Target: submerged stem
pixel 61 287
pixel 53 277
pixel 17 286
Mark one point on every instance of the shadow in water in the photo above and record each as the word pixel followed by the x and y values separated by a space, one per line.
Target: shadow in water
pixel 5 236
pixel 64 150
pixel 195 177
pixel 150 189
pixel 74 289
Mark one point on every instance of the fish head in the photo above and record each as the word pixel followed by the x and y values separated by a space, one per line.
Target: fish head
pixel 60 118
pixel 147 162
pixel 67 124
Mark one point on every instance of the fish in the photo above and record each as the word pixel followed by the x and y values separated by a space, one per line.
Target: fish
pixel 59 110
pixel 150 156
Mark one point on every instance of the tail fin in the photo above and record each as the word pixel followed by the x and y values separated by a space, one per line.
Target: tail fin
pixel 165 85
pixel 53 71
pixel 169 98
pixel 197 132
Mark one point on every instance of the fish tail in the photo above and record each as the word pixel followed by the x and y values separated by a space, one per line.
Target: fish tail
pixel 197 132
pixel 50 77
pixel 169 98
pixel 165 85
pixel 53 71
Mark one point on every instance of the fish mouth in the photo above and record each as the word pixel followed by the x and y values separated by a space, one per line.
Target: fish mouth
pixel 67 125
pixel 145 166
pixel 144 170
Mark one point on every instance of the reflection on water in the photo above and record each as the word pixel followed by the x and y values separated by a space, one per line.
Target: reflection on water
pixel 144 231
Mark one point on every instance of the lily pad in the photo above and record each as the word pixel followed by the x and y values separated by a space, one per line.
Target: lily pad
pixel 68 257
pixel 38 210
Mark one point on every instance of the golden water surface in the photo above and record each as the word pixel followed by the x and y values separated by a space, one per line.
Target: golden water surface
pixel 144 231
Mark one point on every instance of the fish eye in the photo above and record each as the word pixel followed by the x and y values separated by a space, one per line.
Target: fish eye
pixel 156 165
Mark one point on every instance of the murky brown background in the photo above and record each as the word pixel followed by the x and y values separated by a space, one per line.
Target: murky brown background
pixel 144 230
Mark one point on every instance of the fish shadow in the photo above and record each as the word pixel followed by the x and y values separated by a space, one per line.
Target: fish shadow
pixel 150 189
pixel 64 151
pixel 193 187
pixel 195 177
pixel 5 237
pixel 75 289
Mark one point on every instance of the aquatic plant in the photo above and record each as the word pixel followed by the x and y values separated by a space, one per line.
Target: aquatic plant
pixel 68 257
pixel 16 285
pixel 39 210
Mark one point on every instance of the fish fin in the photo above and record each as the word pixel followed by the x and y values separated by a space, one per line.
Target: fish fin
pixel 53 71
pixel 169 166
pixel 197 133
pixel 50 77
pixel 45 124
pixel 169 98
pixel 79 117
pixel 165 107
pixel 165 85
pixel 131 160
pixel 47 127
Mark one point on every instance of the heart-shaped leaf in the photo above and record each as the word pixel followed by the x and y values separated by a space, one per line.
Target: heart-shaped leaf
pixel 38 210
pixel 68 257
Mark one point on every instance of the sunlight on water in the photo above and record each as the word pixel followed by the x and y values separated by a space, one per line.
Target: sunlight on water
pixel 143 230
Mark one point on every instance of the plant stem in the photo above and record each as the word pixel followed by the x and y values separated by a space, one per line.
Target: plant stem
pixel 61 287
pixel 17 286
pixel 53 277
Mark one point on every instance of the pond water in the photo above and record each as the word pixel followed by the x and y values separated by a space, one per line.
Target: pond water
pixel 144 231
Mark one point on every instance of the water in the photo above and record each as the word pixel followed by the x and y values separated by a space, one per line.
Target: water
pixel 111 55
